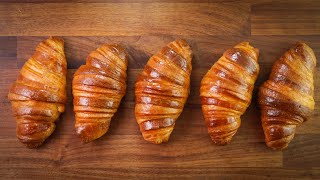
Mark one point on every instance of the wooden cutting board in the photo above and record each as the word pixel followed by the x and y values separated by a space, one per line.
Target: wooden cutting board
pixel 143 27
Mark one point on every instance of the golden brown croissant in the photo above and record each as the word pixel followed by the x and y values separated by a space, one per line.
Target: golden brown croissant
pixel 226 91
pixel 286 99
pixel 161 91
pixel 98 88
pixel 38 96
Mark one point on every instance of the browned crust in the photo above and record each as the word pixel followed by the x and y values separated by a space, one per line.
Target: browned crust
pixel 226 91
pixel 38 96
pixel 98 88
pixel 286 99
pixel 162 90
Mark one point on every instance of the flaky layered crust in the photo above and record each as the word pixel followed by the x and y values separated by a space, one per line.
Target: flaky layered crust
pixel 226 91
pixel 162 90
pixel 286 99
pixel 38 96
pixel 98 88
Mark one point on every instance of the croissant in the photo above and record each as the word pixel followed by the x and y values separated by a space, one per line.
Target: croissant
pixel 98 87
pixel 38 96
pixel 286 99
pixel 162 90
pixel 226 91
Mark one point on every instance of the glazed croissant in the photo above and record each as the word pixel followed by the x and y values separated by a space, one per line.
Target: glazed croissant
pixel 162 90
pixel 226 91
pixel 286 99
pixel 98 88
pixel 38 96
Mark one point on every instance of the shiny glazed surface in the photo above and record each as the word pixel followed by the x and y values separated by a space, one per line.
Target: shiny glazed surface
pixel 226 91
pixel 98 88
pixel 162 89
pixel 38 96
pixel 286 99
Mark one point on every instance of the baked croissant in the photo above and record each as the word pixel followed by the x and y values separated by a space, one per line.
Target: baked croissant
pixel 162 90
pixel 38 96
pixel 98 88
pixel 226 91
pixel 286 99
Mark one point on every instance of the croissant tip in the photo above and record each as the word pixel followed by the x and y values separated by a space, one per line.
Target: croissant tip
pixel 304 45
pixel 244 43
pixel 248 45
pixel 56 38
pixel 90 132
pixel 84 139
pixel 277 146
pixel 158 141
pixel 181 41
pixel 118 48
pixel 221 142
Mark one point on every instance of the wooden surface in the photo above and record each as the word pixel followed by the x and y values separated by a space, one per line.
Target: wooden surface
pixel 143 27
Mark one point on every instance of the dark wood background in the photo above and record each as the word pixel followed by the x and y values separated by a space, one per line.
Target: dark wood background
pixel 143 27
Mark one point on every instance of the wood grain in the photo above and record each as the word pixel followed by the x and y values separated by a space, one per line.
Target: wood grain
pixel 114 19
pixel 303 146
pixel 8 52
pixel 252 2
pixel 143 27
pixel 299 18
pixel 162 173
